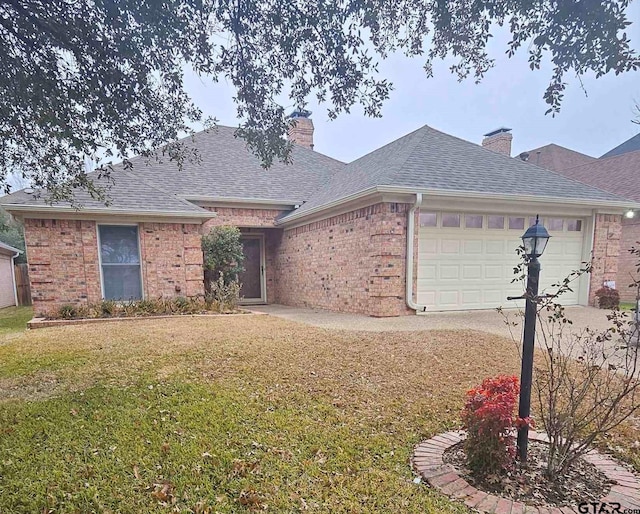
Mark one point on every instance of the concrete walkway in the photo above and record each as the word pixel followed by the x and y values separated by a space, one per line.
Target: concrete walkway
pixel 484 320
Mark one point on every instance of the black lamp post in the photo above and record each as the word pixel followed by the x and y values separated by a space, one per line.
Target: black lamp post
pixel 535 240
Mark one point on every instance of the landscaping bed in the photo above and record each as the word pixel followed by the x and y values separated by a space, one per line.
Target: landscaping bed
pixel 528 484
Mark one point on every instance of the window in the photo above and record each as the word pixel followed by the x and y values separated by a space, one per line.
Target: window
pixel 574 225
pixel 473 221
pixel 428 219
pixel 120 262
pixel 516 223
pixel 495 222
pixel 555 223
pixel 450 220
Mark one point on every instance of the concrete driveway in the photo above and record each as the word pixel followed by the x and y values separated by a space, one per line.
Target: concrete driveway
pixel 485 320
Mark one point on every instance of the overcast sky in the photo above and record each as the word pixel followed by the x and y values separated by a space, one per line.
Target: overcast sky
pixel 510 95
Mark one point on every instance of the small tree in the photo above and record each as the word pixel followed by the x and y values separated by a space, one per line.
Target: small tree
pixel 223 255
pixel 585 381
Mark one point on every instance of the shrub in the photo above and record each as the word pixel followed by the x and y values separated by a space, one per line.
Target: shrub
pixel 488 417
pixel 608 298
pixel 108 308
pixel 223 254
pixel 67 312
pixel 222 295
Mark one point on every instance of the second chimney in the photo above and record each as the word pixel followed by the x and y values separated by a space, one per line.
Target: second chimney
pixel 499 141
pixel 301 128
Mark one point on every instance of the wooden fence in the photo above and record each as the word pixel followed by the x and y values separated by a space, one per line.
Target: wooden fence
pixel 22 284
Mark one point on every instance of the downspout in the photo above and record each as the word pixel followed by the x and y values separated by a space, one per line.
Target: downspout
pixel 13 277
pixel 410 247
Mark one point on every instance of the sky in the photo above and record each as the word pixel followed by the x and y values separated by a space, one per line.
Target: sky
pixel 509 96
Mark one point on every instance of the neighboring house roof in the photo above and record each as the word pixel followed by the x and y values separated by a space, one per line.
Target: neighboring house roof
pixel 425 159
pixel 9 250
pixel 619 174
pixel 630 145
pixel 555 157
pixel 428 159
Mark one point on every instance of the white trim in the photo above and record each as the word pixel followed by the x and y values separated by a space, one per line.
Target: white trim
pixel 137 225
pixel 241 200
pixel 586 202
pixel 263 271
pixel 40 210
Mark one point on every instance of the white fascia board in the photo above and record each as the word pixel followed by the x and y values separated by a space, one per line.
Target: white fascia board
pixel 609 205
pixel 39 211
pixel 241 200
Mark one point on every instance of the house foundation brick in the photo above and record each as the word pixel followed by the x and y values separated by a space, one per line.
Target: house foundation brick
pixel 606 251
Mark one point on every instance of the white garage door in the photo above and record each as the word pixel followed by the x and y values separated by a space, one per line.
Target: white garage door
pixel 466 260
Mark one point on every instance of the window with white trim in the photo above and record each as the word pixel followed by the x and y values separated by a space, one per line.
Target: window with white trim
pixel 120 262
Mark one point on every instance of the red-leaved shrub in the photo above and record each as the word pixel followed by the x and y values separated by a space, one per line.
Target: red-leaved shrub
pixel 489 420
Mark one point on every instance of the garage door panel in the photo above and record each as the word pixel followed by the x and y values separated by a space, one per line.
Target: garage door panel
pixel 473 247
pixel 449 272
pixel 449 246
pixel 472 271
pixel 472 268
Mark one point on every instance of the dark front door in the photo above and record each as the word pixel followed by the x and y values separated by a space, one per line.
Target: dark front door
pixel 252 290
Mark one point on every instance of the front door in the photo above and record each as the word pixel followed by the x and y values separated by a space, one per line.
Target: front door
pixel 252 278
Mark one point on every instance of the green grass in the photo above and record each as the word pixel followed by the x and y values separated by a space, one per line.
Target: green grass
pixel 230 415
pixel 14 319
pixel 627 306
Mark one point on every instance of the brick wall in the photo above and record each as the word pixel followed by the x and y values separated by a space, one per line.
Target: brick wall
pixel 242 217
pixel 172 259
pixel 627 262
pixel 64 265
pixel 606 251
pixel 63 262
pixel 354 262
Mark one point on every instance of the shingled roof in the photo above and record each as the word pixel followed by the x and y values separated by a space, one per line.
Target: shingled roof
pixel 556 157
pixel 425 159
pixel 630 145
pixel 619 174
pixel 428 159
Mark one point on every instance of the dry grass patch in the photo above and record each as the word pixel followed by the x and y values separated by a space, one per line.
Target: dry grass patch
pixel 231 415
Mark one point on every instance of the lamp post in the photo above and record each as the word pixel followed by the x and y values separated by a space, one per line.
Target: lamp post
pixel 535 240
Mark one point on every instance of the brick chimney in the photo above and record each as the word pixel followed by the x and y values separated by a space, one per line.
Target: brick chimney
pixel 499 141
pixel 301 128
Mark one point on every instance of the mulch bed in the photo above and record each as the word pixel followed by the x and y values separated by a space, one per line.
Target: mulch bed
pixel 583 483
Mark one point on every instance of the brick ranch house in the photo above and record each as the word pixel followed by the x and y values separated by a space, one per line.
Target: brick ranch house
pixel 427 222
pixel 617 171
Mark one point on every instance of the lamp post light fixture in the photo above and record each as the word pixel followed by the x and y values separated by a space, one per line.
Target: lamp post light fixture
pixel 535 240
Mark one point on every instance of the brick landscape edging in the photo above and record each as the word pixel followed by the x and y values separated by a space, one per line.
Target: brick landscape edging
pixel 45 323
pixel 427 461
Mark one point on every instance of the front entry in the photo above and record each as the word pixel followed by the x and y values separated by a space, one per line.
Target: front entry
pixel 252 278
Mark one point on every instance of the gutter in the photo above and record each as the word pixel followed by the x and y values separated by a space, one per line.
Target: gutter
pixel 621 204
pixel 41 209
pixel 410 247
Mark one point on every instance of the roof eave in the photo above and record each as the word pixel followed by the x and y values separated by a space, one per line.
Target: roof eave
pixel 622 204
pixel 48 210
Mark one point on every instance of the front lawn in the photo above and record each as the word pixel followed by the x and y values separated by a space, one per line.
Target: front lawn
pixel 233 414
pixel 14 319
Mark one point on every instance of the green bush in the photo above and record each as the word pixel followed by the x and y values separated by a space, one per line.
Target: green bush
pixel 223 254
